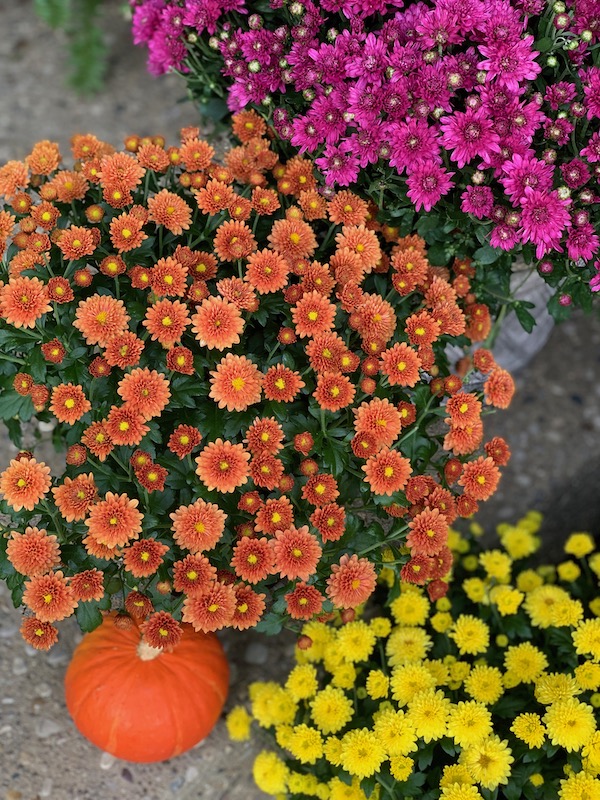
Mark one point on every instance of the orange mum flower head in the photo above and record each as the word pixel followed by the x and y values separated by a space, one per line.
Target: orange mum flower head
pixel 210 609
pixel 138 605
pixel 499 388
pixel 144 557
pixel 247 125
pixel 443 500
pixel 140 277
pixel 13 175
pixel 312 204
pixel 53 351
pixel 361 241
pixel 351 582
pixel 401 365
pixel 294 239
pixel 152 477
pixel 483 360
pixel 69 403
pixel 419 487
pixel 428 533
pixel 264 201
pixel 124 350
pixel 33 552
pixel 75 497
pixel 45 215
pixel 450 318
pixel 170 211
pixel 24 483
pixel 99 367
pixel 39 397
pixel 320 489
pixel 364 445
pixel 422 329
pixel 317 278
pixel 139 459
pixel 153 157
pixel 250 502
pixel 196 154
pixel 275 515
pixel 94 548
pixel 267 271
pixel 236 291
pixel 38 634
pixel 452 384
pixel 498 450
pixel 236 383
pixel 464 409
pixel 166 321
pixel 297 553
pixel 98 440
pixel 313 314
pixel 249 607
pixel 203 266
pixel 115 520
pixel 387 472
pixel 217 323
pixel 466 506
pixel 380 418
pixel 417 570
pixel 253 559
pixel 408 412
pixel 346 208
pixel 223 466
pixel 233 240
pixel 214 197
pixel 59 290
pixel 304 601
pixel 121 169
pixel 125 425
pixel 453 470
pixel 76 455
pixel 330 521
pixel 192 574
pixel 181 359
pixel 266 471
pixel 199 526
pixel 304 443
pixel 23 301
pixel 325 351
pixel 44 158
pixel 145 392
pixel 463 441
pixel 480 478
pixel 76 242
pixel 264 436
pixel 282 384
pixel 286 336
pixel 479 322
pixel 22 383
pixel 183 440
pixel 439 291
pixel 126 232
pixel 82 278
pixel 50 597
pixel 161 631
pixel 309 467
pixel 334 391
pixel 376 320
pixel 99 318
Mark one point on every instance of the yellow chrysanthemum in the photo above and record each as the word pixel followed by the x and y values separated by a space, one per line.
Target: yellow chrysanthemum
pixel 587 676
pixel 443 604
pixel 591 753
pixel 567 614
pixel 529 728
pixel 459 670
pixel 497 565
pixel 406 645
pixel 272 705
pixel 568 571
pixel 553 686
pixel 441 622
pixel 283 734
pixel 484 684
pixel 301 783
pixel 381 627
pixel 536 779
pixel 321 636
pixel 332 750
pixel 470 562
pixel 396 732
pixel 519 542
pixel 595 606
pixel 540 602
pixel 528 580
pixel 331 710
pixel 457 543
pixel 377 684
pixel 410 609
pixel 408 680
pixel 579 544
pixel 362 752
pixel 471 635
pixel 469 722
pixel 401 767
pixel 488 761
pixel 525 661
pixel 506 599
pixel 302 682
pixel 439 669
pixel 334 657
pixel 570 723
pixel 428 712
pixel 455 773
pixel 579 786
pixel 270 773
pixel 338 790
pixel 594 563
pixel 305 744
pixel 460 791
pixel 238 723
pixel 475 589
pixel 587 638
pixel 356 640
pixel 344 676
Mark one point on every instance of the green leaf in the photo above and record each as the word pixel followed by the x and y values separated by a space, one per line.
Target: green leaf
pixel 543 45
pixel 487 254
pixel 526 319
pixel 88 615
pixel 15 405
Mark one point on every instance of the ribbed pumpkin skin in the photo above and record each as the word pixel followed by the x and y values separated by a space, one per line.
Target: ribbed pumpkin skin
pixel 145 710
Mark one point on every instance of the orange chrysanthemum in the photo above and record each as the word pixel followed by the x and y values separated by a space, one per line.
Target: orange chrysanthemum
pixel 199 526
pixel 24 483
pixel 152 477
pixel 276 514
pixel 192 574
pixel 144 391
pixel 166 321
pixel 196 154
pixel 238 292
pixel 75 496
pixel 253 559
pixel 99 318
pixel 304 601
pixel 153 157
pixel 125 426
pixel 170 211
pixel 330 521
pixel 463 440
pixel 161 631
pixel 138 605
pixel 480 478
pixel 325 351
pixel 267 271
pixel 499 388
pixel 498 450
pixel 297 553
pixel 313 205
pixel 422 328
pixel 346 208
pixel 210 609
pixel 115 521
pixel 233 240
pixel 122 170
pixel 44 158
pixel 249 607
pixel 376 318
pixel 282 384
pixel 124 350
pixel 144 557
pixel 214 197
pixel 181 359
pixel 387 472
pixel 236 383
pixel 97 440
pixel 202 266
pixel 38 634
pixel 334 391
pixel 247 125
pixel 69 403
pixel 94 548
pixel 381 419
pixel 313 314
pixel 50 597
pixel 59 290
pixel 183 440
pixel 363 242
pixel 264 436
pixel 320 489
pixel 266 471
pixel 76 242
pixel 294 239
pixel 223 466
pixel 464 409
pixel 217 323
pixel 23 301
pixel 168 278
pixel 401 365
pixel 13 175
pixel 351 582
pixel 87 585
pixel 34 552
pixel 428 533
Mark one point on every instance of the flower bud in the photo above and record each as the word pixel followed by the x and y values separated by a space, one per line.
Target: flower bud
pixel 565 299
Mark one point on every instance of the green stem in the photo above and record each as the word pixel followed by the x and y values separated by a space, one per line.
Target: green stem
pixel 12 358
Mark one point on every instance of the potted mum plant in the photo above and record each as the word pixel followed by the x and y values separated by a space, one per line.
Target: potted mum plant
pixel 476 125
pixel 488 692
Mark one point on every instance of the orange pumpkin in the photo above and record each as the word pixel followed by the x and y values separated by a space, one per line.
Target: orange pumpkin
pixel 141 704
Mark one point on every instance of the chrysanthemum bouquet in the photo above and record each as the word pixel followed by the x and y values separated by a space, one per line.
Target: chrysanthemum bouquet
pixel 251 383
pixel 490 692
pixel 477 122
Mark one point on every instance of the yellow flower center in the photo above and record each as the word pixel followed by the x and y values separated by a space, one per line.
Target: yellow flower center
pixel 223 465
pixel 213 607
pixel 355 583
pixel 420 331
pixel 145 555
pixel 191 575
pixel 238 384
pixel 243 608
pixel 280 383
pixel 463 407
pixel 47 598
pixel 313 316
pixel 252 558
pixel 320 488
pixel 401 366
pixel 294 238
pixel 123 425
pixel 69 402
pixel 166 321
pixel 21 483
pixel 126 233
pixel 184 439
pixel 101 317
pixel 296 552
pixel 388 472
pixel 276 517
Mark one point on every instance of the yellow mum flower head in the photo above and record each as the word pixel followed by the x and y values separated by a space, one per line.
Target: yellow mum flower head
pixel 301 783
pixel 334 656
pixel 428 712
pixel 595 699
pixel 568 571
pixel 591 752
pixel 484 684
pixel 547 572
pixel 338 790
pixel 526 661
pixel 497 565
pixel 533 520
pixel 386 576
pixel 377 684
pixel 270 773
pixel 408 680
pixel 539 604
pixel 579 545
pixel 594 563
pixel 238 723
pixel 506 599
pixel 519 542
pixel 570 723
pixel 502 640
pixel 283 733
pixel 553 686
pixel 331 710
pixel 471 635
pixel 306 744
pixel 332 750
pixel 455 773
pixel 381 627
pixel 441 622
pixel 587 676
pixel 321 636
pixel 567 614
pixel 406 645
pixel 587 638
pixel 459 671
pixel 273 706
pixel 439 670
pixel 410 609
pixel 528 580
pixel 458 791
pixel 443 604
pixel 302 682
pixel 344 676
pixel 529 728
pixel 401 767
pixel 396 733
pixel 578 786
pixel 488 761
pixel 595 606
pixel 470 563
pixel 475 589
pixel 536 779
pixel 356 641
pixel 469 722
pixel 457 543
pixel 362 752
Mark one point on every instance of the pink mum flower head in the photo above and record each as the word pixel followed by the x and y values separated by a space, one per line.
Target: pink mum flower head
pixel 469 134
pixel 339 164
pixel 427 182
pixel 544 217
pixel 510 62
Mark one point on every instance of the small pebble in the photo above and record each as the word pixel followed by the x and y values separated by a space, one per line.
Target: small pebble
pixel 256 653
pixel 5 730
pixel 106 761
pixel 19 667
pixel 46 789
pixel 57 659
pixel 44 728
pixel 191 774
pixel 43 690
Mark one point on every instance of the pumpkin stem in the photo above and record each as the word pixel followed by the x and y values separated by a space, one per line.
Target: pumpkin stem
pixel 146 652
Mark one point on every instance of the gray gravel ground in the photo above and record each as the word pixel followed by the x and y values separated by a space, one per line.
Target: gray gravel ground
pixel 553 428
